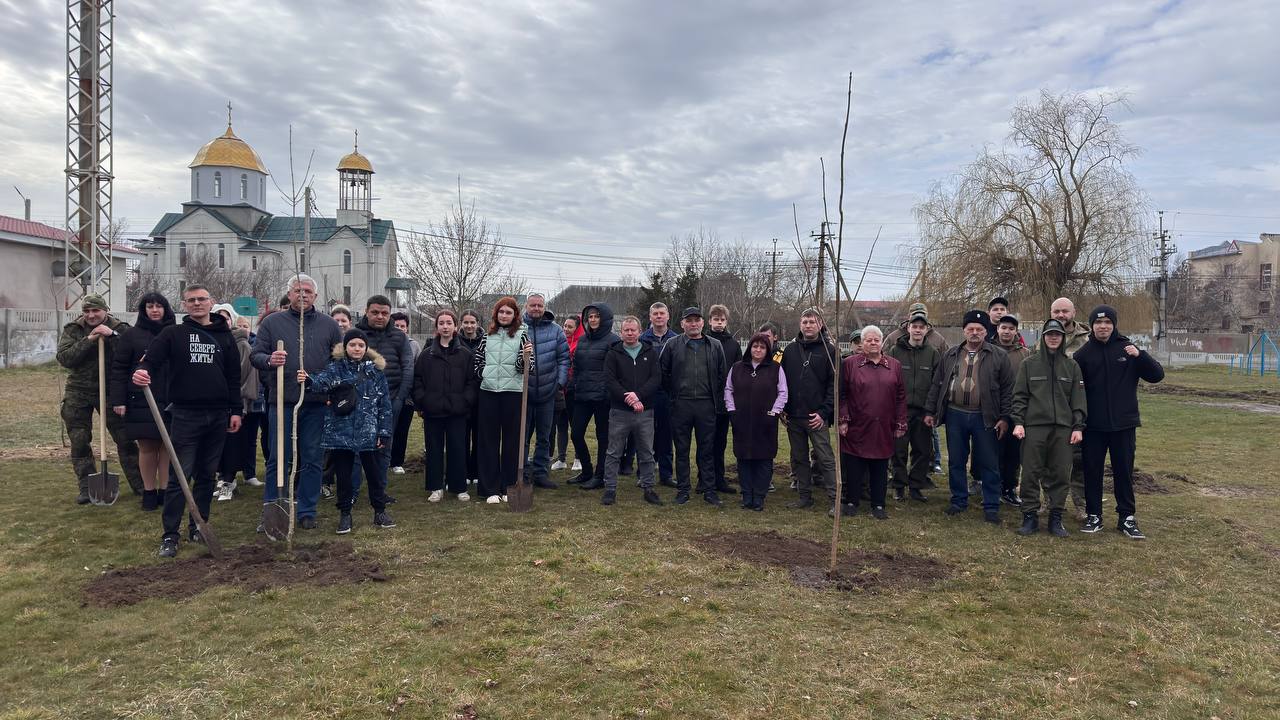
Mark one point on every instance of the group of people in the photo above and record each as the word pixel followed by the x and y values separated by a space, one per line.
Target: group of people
pixel 1022 421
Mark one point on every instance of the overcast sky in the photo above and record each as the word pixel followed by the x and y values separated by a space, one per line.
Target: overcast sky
pixel 603 128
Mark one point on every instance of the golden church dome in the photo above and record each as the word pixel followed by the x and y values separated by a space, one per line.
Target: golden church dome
pixel 355 161
pixel 228 150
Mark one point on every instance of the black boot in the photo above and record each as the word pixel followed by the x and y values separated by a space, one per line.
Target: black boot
pixel 150 500
pixel 1055 524
pixel 579 478
pixel 594 483
pixel 1030 524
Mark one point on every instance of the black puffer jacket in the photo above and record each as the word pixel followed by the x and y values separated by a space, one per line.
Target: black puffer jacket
pixel 131 347
pixel 641 376
pixel 444 380
pixel 732 350
pixel 810 378
pixel 588 358
pixel 1111 381
pixel 393 345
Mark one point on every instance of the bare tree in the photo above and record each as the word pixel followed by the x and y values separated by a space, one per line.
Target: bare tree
pixel 1054 212
pixel 458 260
pixel 709 269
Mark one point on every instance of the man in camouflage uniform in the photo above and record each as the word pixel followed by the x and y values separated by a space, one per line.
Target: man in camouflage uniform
pixel 78 353
pixel 1064 311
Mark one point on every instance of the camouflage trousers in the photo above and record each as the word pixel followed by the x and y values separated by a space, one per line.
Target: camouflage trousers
pixel 77 413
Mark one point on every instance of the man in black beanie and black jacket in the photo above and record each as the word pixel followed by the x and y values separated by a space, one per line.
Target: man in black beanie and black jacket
pixel 203 367
pixel 1112 366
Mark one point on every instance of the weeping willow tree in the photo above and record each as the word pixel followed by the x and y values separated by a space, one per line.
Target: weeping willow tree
pixel 1053 212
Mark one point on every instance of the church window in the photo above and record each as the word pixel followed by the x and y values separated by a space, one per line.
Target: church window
pixel 222 256
pixel 244 186
pixel 182 254
pixel 346 262
pixel 253 262
pixel 217 184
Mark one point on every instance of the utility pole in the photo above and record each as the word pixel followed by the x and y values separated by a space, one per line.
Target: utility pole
pixel 1161 261
pixel 823 237
pixel 773 273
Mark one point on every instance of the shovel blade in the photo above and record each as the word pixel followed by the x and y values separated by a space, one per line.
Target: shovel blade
pixel 211 540
pixel 104 488
pixel 275 520
pixel 520 497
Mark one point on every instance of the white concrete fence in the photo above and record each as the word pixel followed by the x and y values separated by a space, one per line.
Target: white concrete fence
pixel 30 337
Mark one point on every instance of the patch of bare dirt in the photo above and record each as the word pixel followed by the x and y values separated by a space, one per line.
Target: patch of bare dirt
pixel 857 570
pixel 35 452
pixel 1225 491
pixel 252 567
pixel 1145 483
pixel 1263 395
pixel 1253 407
pixel 1252 537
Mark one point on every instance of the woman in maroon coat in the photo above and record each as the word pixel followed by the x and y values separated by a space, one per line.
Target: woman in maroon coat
pixel 755 393
pixel 873 413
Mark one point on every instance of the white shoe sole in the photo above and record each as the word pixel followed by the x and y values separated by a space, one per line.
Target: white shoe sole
pixel 493 500
pixel 435 496
pixel 463 497
pixel 253 482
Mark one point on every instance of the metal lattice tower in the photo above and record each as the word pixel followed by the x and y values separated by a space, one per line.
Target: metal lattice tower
pixel 88 252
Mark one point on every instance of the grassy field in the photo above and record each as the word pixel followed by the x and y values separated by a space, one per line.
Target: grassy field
pixel 575 610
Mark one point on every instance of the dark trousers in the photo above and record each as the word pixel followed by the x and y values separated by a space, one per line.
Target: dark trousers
pixel 583 412
pixel 473 448
pixel 400 435
pixel 343 460
pixel 498 440
pixel 965 429
pixel 857 470
pixel 198 436
pixel 1122 446
pixel 446 457
pixel 913 454
pixel 694 420
pixel 541 419
pixel 1009 456
pixel 803 463
pixel 754 476
pixel 560 430
pixel 718 449
pixel 662 435
pixel 240 451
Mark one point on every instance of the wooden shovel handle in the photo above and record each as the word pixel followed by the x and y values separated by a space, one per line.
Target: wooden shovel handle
pixel 102 398
pixel 280 422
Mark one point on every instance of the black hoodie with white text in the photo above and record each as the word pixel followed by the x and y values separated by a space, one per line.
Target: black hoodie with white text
pixel 202 363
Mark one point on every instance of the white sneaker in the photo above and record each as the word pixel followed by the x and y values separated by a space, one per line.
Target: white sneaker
pixel 463 497
pixel 397 470
pixel 558 465
pixel 253 482
pixel 435 496
pixel 577 465
pixel 504 498
pixel 493 500
pixel 225 491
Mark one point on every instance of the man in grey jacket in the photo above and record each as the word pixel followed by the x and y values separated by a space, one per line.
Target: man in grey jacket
pixel 320 335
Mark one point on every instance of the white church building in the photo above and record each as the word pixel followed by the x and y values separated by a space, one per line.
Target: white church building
pixel 353 253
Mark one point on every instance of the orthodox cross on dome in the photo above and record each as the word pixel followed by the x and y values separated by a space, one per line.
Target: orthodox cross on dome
pixel 357 143
pixel 228 114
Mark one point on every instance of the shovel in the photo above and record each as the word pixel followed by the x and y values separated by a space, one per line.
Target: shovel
pixel 276 514
pixel 520 495
pixel 104 487
pixel 206 530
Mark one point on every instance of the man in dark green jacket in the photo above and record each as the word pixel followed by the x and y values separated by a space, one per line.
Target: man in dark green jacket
pixel 1048 416
pixel 918 359
pixel 78 353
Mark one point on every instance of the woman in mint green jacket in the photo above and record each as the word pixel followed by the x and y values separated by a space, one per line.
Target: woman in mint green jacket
pixel 499 363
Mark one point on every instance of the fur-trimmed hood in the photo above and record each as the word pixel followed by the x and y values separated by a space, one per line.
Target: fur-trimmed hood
pixel 340 353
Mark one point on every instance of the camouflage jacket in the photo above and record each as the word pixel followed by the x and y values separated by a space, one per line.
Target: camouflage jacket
pixel 78 353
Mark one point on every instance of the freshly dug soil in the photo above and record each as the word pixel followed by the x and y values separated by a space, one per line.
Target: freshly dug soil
pixel 1261 395
pixel 1144 483
pixel 857 570
pixel 252 567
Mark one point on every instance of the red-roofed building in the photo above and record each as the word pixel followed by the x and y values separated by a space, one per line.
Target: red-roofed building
pixel 31 273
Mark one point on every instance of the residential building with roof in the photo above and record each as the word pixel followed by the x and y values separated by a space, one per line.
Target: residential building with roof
pixel 1244 272
pixel 32 276
pixel 353 254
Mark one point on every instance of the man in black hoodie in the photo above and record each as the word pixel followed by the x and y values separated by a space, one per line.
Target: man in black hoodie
pixel 1111 366
pixel 203 367
pixel 693 374
pixel 718 320
pixel 633 379
pixel 809 364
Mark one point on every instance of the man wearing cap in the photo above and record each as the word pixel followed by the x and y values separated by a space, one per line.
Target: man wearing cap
pixel 1111 366
pixel 971 394
pixel 1048 417
pixel 918 360
pixel 693 374
pixel 1009 340
pixel 78 353
pixel 934 338
pixel 1064 311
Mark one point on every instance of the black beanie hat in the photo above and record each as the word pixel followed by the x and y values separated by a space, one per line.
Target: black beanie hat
pixel 998 300
pixel 977 316
pixel 1103 311
pixel 354 334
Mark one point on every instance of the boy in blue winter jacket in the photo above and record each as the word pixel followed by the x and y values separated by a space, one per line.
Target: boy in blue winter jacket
pixel 357 421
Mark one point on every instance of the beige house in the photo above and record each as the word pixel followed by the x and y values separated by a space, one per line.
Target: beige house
pixel 32 276
pixel 1244 272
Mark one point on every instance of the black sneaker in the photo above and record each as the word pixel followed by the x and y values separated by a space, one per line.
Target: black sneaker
pixel 386 499
pixel 900 494
pixel 954 510
pixel 1010 497
pixel 991 516
pixel 344 523
pixel 651 497
pixel 918 496
pixel 326 491
pixel 195 536
pixel 544 483
pixel 578 479
pixel 726 489
pixel 711 498
pixel 801 504
pixel 667 482
pixel 878 513
pixel 594 483
pixel 1129 527
pixel 682 497
pixel 383 520
pixel 169 547
pixel 608 497
pixel 1092 524
pixel 307 523
pixel 849 510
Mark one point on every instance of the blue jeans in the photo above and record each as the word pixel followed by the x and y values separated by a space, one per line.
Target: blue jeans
pixel 963 428
pixel 310 431
pixel 542 417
